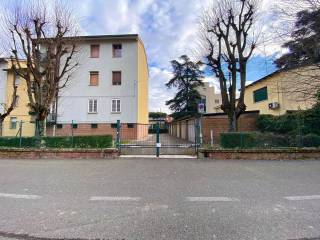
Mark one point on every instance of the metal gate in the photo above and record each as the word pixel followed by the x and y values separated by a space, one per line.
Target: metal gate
pixel 143 139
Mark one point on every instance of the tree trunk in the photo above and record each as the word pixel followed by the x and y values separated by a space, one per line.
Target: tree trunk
pixel 233 126
pixel 1 122
pixel 40 127
pixel 39 132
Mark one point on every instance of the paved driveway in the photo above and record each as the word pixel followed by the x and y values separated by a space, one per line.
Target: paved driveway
pixel 169 145
pixel 159 199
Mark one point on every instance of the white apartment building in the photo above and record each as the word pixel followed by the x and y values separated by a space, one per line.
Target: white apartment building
pixel 110 84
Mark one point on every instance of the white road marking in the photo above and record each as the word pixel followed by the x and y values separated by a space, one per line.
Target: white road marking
pixel 105 198
pixel 212 199
pixel 19 196
pixel 301 198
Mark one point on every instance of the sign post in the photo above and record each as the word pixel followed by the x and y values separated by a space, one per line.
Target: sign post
pixel 158 139
pixel 201 110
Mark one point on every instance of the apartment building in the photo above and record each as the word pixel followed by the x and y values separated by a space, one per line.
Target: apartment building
pixel 210 98
pixel 281 92
pixel 20 113
pixel 110 84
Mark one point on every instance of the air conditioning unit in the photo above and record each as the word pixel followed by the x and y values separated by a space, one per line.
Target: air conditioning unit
pixel 274 105
pixel 52 117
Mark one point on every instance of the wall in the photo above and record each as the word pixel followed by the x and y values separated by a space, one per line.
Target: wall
pixel 73 100
pixel 58 154
pixel 84 129
pixel 282 88
pixel 218 123
pixel 261 154
pixel 143 79
pixel 3 84
pixel 21 111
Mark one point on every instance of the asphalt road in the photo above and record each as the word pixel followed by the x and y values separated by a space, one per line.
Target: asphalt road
pixel 159 199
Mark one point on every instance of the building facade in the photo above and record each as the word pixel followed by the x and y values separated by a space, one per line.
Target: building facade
pixel 20 113
pixel 279 93
pixel 210 98
pixel 110 84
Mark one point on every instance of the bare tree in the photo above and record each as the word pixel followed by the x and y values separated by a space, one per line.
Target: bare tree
pixel 228 40
pixel 45 39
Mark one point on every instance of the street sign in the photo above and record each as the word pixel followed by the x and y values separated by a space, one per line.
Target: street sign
pixel 201 108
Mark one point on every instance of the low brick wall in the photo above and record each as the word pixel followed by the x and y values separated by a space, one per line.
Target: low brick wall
pixel 135 132
pixel 10 153
pixel 261 154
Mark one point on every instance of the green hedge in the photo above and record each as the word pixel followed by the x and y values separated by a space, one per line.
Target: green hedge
pixel 59 142
pixel 311 140
pixel 237 140
pixel 267 140
pixel 302 122
pixel 26 142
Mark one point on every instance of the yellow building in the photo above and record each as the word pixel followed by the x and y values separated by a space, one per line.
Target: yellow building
pixel 20 114
pixel 280 92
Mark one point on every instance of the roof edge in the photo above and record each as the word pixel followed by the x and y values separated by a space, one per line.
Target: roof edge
pixel 265 77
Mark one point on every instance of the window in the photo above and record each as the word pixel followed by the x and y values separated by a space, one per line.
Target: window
pixel 74 125
pixel 117 50
pixel 116 78
pixel 115 108
pixel 94 125
pixel 130 125
pixel 114 125
pixel 59 126
pixel 94 78
pixel 13 122
pixel 216 101
pixel 16 102
pixel 203 100
pixel 93 106
pixel 94 51
pixel 17 80
pixel 260 95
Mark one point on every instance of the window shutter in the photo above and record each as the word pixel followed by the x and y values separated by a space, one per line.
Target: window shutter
pixel 95 106
pixel 260 94
pixel 116 78
pixel 118 106
pixel 94 78
pixel 94 51
pixel 90 106
pixel 113 105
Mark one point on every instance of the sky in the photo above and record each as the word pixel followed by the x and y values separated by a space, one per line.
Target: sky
pixel 168 29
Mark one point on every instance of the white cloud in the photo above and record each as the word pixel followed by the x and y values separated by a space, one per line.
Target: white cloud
pixel 168 29
pixel 158 93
